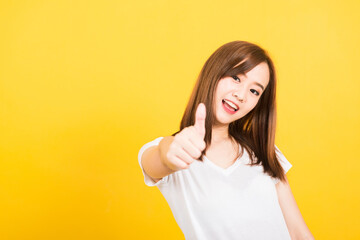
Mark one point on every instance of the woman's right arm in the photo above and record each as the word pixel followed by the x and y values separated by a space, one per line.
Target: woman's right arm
pixel 176 152
pixel 153 160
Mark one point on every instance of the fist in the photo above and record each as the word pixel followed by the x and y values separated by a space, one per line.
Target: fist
pixel 189 143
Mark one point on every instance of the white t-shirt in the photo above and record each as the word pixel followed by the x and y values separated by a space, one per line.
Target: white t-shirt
pixel 213 203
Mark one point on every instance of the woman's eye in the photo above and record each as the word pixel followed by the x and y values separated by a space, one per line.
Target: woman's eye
pixel 236 78
pixel 255 92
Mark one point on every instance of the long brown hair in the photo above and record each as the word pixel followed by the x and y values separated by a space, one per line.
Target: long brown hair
pixel 255 131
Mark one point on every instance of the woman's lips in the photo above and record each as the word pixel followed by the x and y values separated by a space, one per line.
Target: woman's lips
pixel 227 108
pixel 232 104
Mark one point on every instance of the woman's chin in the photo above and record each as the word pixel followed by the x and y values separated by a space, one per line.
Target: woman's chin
pixel 222 123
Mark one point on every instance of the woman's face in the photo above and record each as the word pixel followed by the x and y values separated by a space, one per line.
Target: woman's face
pixel 231 90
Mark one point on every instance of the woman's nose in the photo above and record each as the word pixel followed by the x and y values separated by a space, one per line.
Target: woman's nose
pixel 240 95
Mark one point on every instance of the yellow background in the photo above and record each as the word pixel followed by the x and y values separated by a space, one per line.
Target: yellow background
pixel 84 84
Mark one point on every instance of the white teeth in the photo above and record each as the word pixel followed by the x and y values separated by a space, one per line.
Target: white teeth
pixel 231 104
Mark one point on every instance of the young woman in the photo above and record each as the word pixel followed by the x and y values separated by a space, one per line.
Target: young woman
pixel 221 173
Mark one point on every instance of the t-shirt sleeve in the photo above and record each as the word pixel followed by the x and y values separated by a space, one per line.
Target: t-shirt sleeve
pixel 286 165
pixel 147 179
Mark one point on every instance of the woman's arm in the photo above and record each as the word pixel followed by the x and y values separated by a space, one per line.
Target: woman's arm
pixel 293 218
pixel 152 162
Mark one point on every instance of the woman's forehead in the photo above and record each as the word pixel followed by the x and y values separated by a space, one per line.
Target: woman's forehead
pixel 260 73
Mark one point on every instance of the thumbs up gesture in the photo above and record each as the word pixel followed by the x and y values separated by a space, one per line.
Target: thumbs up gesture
pixel 188 144
pixel 200 120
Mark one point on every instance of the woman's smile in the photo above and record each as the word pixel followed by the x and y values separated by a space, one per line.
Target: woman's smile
pixel 229 107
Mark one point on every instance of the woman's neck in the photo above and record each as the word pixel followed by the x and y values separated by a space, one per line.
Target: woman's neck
pixel 220 139
pixel 220 134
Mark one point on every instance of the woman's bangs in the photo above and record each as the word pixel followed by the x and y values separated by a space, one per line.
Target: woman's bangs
pixel 242 68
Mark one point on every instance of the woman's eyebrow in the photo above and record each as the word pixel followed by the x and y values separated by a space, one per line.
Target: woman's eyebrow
pixel 262 87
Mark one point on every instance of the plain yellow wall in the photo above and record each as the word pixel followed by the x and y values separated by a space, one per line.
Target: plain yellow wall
pixel 84 84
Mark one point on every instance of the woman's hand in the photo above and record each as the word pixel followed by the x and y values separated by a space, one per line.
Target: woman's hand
pixel 188 144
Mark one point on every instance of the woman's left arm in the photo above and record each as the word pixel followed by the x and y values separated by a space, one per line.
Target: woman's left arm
pixel 293 218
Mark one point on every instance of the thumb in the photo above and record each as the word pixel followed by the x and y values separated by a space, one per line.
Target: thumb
pixel 200 116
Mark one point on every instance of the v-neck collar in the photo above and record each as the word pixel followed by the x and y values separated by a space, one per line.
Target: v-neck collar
pixel 227 170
